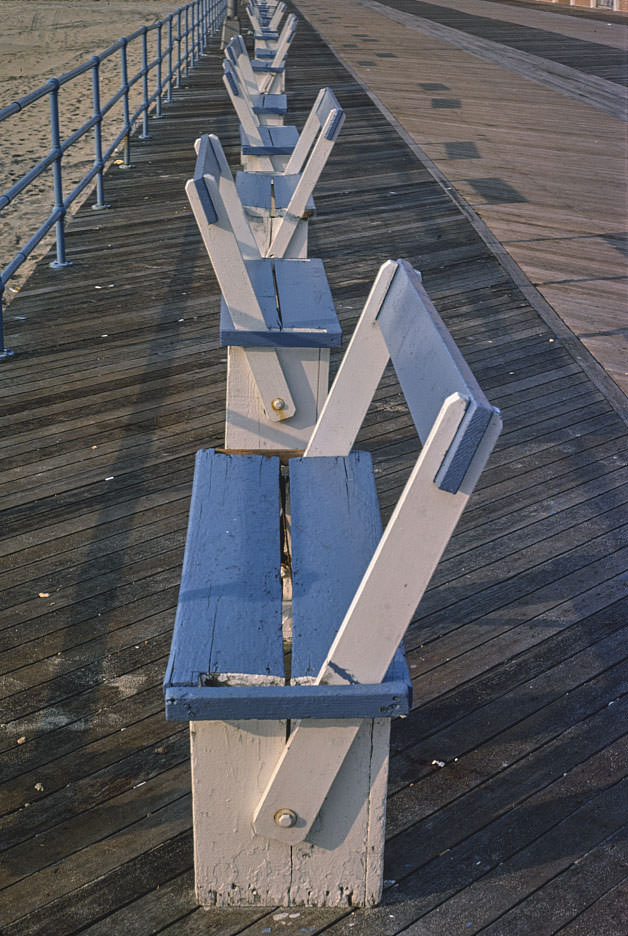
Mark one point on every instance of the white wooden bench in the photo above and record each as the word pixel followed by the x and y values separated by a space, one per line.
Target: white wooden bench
pixel 268 41
pixel 269 74
pixel 271 148
pixel 278 206
pixel 290 752
pixel 268 109
pixel 265 17
pixel 265 81
pixel 277 318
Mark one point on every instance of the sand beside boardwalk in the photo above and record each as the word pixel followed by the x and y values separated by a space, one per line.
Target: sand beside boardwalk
pixel 41 39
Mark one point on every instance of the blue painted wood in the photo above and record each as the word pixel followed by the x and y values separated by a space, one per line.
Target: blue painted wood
pixel 335 528
pixel 462 451
pixel 267 192
pixel 270 34
pixel 271 104
pixel 430 368
pixel 255 190
pixel 305 300
pixel 229 613
pixel 259 65
pixel 390 698
pixel 276 141
pixel 306 317
pixel 229 610
pixel 284 186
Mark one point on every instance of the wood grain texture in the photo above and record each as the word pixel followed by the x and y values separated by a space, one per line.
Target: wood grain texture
pixel 517 710
pixel 228 626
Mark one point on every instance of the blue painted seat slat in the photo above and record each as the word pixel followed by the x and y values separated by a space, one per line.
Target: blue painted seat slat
pixel 259 65
pixel 306 317
pixel 270 104
pixel 229 610
pixel 334 535
pixel 276 141
pixel 257 190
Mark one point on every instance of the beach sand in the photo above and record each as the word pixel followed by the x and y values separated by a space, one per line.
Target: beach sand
pixel 39 40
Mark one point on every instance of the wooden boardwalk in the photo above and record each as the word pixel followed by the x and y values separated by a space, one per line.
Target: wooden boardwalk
pixel 518 651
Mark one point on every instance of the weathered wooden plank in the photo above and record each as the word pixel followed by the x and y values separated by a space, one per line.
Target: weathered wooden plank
pixel 324 577
pixel 228 625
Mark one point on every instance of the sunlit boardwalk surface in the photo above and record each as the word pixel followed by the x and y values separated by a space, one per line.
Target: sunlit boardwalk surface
pixel 517 652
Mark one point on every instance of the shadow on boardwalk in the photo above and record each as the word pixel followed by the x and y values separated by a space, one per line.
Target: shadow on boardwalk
pixel 516 652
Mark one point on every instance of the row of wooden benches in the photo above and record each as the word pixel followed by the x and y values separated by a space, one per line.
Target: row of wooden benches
pixel 286 655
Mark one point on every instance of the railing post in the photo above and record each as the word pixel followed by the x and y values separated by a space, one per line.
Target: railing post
pixel 159 71
pixel 170 48
pixel 125 104
pixel 5 353
pixel 145 135
pixel 186 70
pixel 57 182
pixel 98 159
pixel 179 40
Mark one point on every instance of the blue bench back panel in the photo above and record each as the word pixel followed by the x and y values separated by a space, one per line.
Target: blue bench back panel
pixel 335 528
pixel 229 611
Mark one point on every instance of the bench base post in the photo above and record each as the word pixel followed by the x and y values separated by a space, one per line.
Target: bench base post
pixel 247 427
pixel 341 862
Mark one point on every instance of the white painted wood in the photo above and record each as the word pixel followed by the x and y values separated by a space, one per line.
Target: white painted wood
pixel 307 136
pixel 294 215
pixel 229 243
pixel 264 225
pixel 238 55
pixel 358 376
pixel 230 764
pixel 272 82
pixel 276 17
pixel 402 565
pixel 265 41
pixel 246 425
pixel 242 104
pixel 339 865
pixel 267 164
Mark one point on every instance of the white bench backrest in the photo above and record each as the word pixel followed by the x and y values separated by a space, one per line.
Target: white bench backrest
pixel 244 278
pixel 319 153
pixel 285 41
pixel 242 103
pixel 324 104
pixel 458 428
pixel 237 54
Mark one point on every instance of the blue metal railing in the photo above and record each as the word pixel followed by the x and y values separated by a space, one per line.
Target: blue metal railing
pixel 185 32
